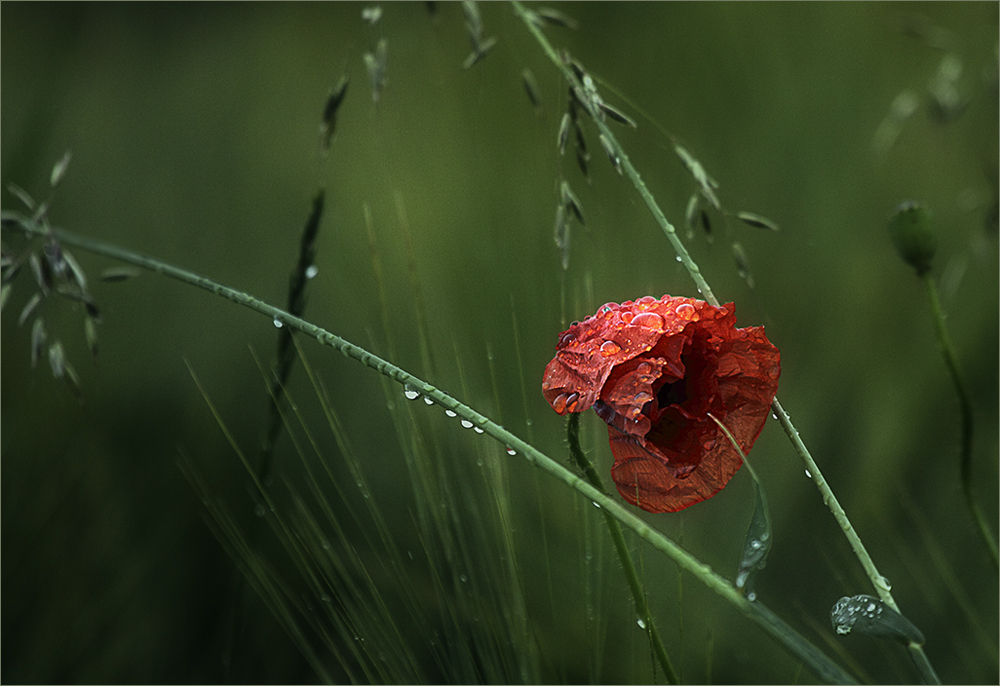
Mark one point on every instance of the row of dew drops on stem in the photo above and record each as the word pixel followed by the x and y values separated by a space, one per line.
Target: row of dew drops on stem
pixel 411 393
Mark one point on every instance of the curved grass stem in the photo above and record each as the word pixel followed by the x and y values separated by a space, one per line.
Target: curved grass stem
pixel 824 668
pixel 634 584
pixel 965 407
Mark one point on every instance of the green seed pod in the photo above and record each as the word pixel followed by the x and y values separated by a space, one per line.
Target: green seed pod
pixel 913 234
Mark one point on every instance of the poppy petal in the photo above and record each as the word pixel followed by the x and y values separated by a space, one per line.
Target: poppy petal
pixel 654 370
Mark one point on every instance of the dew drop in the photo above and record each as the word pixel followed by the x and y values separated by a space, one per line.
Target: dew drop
pixel 477 430
pixel 774 415
pixel 277 323
pixel 645 300
pixel 685 311
pixel 410 393
pixel 626 316
pixel 463 578
pixel 644 369
pixel 511 451
pixel 466 424
pixel 559 404
pixel 709 444
pixel 678 258
pixel 642 624
pixel 756 545
pixel 809 474
pixel 311 271
pixel 450 413
pixel 751 596
pixel 428 400
pixel 571 402
pixel 885 584
pixel 648 320
pixel 597 505
pixel 642 398
pixel 773 372
pixel 609 348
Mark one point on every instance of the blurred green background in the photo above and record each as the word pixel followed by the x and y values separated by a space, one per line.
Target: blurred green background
pixel 194 133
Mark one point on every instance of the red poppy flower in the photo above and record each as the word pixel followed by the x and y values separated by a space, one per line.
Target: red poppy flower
pixel 654 370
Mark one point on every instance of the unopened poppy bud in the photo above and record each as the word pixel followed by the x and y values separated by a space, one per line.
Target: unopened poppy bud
pixel 912 233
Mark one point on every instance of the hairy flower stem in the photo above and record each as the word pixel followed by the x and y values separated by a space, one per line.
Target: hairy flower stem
pixel 634 584
pixel 824 668
pixel 965 407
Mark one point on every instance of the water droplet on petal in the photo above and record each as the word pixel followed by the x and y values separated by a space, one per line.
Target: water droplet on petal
pixel 642 398
pixel 685 311
pixel 685 471
pixel 774 372
pixel 559 404
pixel 648 320
pixel 571 402
pixel 609 348
pixel 644 369
pixel 466 424
pixel 626 316
pixel 645 300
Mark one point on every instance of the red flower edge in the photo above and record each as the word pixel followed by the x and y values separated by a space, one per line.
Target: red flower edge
pixel 654 370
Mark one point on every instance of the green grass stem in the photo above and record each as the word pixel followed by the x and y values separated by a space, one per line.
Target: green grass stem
pixel 634 584
pixel 965 407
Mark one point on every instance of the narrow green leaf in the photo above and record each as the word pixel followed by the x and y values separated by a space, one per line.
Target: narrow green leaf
pixel 868 615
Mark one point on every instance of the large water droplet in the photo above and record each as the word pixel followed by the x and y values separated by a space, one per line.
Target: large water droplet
pixel 572 401
pixel 559 404
pixel 685 311
pixel 648 320
pixel 609 348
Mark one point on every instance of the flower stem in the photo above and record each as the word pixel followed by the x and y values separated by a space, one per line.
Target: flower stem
pixel 965 407
pixel 638 595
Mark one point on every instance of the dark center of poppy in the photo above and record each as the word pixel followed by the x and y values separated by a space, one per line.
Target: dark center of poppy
pixel 672 393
